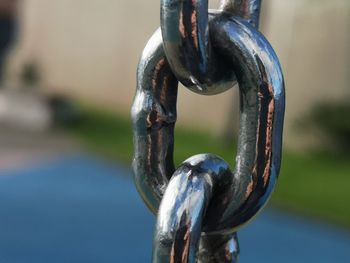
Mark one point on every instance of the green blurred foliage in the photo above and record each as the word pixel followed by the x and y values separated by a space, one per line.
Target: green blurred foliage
pixel 332 119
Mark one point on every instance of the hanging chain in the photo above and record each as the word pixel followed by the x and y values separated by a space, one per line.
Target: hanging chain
pixel 202 204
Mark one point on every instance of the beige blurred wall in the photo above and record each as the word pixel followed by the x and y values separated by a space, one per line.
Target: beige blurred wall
pixel 90 49
pixel 312 39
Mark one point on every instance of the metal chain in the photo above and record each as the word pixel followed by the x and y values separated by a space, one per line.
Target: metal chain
pixel 202 204
pixel 187 43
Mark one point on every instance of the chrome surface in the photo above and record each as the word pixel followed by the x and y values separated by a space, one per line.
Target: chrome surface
pixel 187 43
pixel 182 211
pixel 259 147
pixel 154 116
pixel 205 204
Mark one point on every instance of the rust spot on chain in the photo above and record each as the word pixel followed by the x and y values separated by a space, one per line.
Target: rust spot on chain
pixel 194 27
pixel 268 151
pixel 250 189
pixel 182 26
pixel 157 69
pixel 187 245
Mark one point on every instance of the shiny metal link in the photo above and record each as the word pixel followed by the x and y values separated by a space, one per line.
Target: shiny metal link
pixel 192 208
pixel 182 211
pixel 154 116
pixel 259 149
pixel 188 47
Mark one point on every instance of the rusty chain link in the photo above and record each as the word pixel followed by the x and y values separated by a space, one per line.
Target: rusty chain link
pixel 202 204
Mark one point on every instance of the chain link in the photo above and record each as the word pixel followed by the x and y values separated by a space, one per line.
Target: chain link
pixel 202 204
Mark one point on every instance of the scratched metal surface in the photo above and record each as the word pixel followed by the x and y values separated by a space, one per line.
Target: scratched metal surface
pixel 200 211
pixel 82 209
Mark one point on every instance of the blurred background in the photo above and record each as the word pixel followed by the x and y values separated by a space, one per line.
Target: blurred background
pixel 67 80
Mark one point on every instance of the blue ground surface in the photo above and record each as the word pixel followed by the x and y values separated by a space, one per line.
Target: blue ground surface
pixel 81 209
